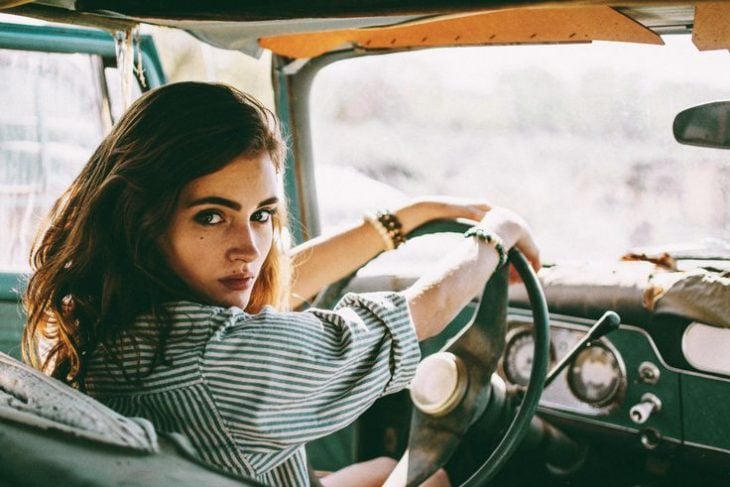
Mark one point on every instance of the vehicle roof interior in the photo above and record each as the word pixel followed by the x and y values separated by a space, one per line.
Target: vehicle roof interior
pixel 302 29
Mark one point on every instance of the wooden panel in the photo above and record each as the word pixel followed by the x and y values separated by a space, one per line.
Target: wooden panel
pixel 510 26
pixel 712 26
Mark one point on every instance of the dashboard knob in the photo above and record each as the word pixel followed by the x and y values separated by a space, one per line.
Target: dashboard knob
pixel 648 373
pixel 641 412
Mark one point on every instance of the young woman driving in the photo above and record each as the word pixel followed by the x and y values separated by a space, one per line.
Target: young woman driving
pixel 161 286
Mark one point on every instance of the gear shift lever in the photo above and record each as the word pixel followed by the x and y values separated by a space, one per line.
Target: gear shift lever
pixel 607 323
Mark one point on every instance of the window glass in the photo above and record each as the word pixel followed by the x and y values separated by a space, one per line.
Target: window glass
pixel 577 138
pixel 50 123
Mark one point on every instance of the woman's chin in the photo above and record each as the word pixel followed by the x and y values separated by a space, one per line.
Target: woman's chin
pixel 240 301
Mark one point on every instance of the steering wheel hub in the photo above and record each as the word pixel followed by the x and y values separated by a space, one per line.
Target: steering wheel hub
pixel 439 384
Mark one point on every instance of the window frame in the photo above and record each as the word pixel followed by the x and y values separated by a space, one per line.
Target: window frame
pixel 54 39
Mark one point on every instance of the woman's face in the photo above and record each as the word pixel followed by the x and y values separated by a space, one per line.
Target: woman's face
pixel 221 231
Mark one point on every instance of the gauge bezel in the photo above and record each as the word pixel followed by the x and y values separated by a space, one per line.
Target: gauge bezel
pixel 614 399
pixel 559 395
pixel 515 332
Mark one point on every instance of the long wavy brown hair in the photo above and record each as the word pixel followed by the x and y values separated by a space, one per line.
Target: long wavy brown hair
pixel 96 263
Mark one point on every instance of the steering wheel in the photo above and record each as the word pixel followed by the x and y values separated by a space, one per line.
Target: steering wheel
pixel 452 388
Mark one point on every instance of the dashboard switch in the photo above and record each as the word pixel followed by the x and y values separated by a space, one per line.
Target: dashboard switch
pixel 641 412
pixel 648 373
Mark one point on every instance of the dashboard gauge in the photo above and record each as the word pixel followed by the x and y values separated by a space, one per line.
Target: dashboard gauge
pixel 518 356
pixel 595 376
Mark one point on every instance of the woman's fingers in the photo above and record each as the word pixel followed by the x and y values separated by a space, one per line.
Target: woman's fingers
pixel 528 247
pixel 513 231
pixel 454 207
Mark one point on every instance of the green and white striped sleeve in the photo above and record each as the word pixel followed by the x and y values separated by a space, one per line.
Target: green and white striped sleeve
pixel 282 379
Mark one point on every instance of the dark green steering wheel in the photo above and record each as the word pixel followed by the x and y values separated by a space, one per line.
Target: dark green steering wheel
pixel 433 438
pixel 472 356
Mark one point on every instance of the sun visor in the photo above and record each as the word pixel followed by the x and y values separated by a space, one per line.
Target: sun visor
pixel 712 26
pixel 509 26
pixel 244 37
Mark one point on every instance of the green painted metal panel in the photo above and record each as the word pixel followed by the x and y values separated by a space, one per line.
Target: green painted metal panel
pixel 57 39
pixel 12 318
pixel 12 285
pixel 291 188
pixel 706 411
pixel 86 41
pixel 635 347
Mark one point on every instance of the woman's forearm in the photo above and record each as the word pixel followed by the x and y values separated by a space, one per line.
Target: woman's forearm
pixel 437 297
pixel 326 259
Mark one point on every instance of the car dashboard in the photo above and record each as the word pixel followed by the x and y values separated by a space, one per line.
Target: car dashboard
pixel 658 385
pixel 650 396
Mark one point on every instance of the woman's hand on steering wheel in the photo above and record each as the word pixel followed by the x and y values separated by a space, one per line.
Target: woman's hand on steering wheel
pixel 514 232
pixel 425 209
pixel 511 227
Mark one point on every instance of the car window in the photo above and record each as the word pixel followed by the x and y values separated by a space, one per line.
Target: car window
pixel 50 122
pixel 577 138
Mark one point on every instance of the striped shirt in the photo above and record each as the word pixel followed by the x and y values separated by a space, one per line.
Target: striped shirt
pixel 249 390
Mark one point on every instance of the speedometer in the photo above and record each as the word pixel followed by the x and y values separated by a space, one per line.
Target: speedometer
pixel 595 377
pixel 518 356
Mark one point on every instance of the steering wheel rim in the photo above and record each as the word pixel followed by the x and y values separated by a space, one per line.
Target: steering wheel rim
pixel 530 400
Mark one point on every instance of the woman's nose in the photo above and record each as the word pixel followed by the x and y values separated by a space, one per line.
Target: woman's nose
pixel 243 244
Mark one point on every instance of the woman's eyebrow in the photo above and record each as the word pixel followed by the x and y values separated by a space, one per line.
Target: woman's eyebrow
pixel 217 200
pixel 269 201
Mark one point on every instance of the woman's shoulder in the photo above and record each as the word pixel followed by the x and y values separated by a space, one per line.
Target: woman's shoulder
pixel 190 310
pixel 185 321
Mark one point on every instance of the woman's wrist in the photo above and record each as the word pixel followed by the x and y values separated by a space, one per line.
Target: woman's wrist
pixel 505 223
pixel 424 210
pixel 411 216
pixel 389 227
pixel 491 239
pixel 419 212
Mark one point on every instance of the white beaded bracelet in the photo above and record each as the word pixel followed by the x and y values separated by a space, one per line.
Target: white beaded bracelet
pixel 382 231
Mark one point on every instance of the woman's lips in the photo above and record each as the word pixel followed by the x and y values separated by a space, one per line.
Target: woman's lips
pixel 237 283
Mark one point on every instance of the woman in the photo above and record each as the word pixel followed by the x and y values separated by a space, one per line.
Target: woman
pixel 161 286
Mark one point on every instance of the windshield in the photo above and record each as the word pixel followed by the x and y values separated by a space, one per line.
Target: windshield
pixel 577 138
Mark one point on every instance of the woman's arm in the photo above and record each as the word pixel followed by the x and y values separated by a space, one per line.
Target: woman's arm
pixel 437 297
pixel 323 260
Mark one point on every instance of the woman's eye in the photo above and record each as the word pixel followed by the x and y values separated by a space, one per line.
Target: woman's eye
pixel 209 218
pixel 262 216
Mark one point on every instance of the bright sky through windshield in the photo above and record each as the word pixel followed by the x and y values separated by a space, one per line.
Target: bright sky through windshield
pixel 647 59
pixel 577 138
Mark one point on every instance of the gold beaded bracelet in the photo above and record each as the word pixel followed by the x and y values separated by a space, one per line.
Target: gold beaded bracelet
pixel 492 239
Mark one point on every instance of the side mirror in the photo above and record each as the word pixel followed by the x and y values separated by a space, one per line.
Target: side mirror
pixel 705 125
